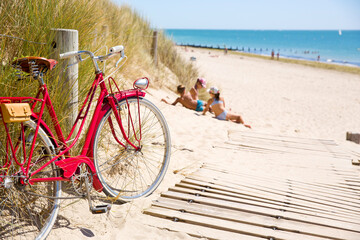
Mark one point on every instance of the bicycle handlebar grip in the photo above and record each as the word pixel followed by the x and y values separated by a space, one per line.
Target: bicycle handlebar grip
pixel 117 49
pixel 68 54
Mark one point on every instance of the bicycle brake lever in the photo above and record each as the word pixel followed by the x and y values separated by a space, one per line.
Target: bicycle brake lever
pixel 79 58
pixel 117 63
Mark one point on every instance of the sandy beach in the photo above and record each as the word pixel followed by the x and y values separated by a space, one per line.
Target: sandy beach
pixel 273 97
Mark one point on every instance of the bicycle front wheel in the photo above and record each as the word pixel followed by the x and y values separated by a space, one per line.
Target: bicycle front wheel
pixel 122 170
pixel 26 211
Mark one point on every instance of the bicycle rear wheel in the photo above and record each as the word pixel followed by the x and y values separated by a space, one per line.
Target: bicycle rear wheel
pixel 131 173
pixel 24 212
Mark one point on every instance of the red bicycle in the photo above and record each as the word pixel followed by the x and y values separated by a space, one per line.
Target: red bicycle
pixel 125 154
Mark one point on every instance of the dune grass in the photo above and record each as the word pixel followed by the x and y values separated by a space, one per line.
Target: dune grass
pixel 34 21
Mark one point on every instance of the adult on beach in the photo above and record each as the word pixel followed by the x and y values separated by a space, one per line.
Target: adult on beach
pixel 217 104
pixel 186 100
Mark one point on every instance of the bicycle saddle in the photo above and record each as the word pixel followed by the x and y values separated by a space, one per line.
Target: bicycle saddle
pixel 43 64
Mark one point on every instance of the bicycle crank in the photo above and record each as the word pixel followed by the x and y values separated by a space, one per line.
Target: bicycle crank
pixel 99 208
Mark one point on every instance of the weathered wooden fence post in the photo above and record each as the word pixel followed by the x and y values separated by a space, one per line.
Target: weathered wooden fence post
pixel 66 40
pixel 154 47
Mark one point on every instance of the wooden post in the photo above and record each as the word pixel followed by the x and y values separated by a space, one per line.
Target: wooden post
pixel 353 137
pixel 66 40
pixel 154 48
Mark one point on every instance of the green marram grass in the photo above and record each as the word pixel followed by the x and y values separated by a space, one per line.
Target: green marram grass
pixel 34 20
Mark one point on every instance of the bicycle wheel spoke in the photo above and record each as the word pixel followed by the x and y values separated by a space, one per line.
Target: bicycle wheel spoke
pixel 139 174
pixel 27 216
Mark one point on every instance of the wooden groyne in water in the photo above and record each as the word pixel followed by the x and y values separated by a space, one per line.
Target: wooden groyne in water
pixel 211 47
pixel 251 50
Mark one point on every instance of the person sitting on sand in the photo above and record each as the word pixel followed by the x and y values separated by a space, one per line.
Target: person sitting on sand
pixel 186 100
pixel 218 107
pixel 194 91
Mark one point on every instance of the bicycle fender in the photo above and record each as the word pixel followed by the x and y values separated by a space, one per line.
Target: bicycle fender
pixel 105 108
pixel 69 166
pixel 121 96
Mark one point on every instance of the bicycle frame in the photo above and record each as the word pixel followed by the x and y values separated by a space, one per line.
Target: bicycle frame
pixel 69 164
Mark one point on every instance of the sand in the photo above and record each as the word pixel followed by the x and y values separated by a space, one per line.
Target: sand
pixel 273 97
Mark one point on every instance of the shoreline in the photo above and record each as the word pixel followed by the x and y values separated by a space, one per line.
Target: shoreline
pixel 334 65
pixel 331 45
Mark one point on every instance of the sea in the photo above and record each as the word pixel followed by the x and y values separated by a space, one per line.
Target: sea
pixel 331 46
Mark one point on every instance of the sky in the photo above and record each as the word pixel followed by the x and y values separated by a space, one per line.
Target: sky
pixel 249 14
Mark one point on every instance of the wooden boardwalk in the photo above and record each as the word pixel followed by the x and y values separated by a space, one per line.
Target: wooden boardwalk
pixel 300 189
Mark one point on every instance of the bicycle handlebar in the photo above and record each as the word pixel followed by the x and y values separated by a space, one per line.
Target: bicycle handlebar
pixel 112 52
pixel 69 54
pixel 116 49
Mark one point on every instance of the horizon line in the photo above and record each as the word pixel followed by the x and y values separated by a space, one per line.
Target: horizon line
pixel 245 29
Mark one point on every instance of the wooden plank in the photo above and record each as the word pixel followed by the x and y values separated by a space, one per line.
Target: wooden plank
pixel 276 213
pixel 226 225
pixel 301 145
pixel 259 197
pixel 345 206
pixel 274 179
pixel 306 165
pixel 240 176
pixel 319 163
pixel 287 186
pixel 289 148
pixel 290 187
pixel 250 218
pixel 283 190
pixel 254 134
pixel 198 231
pixel 334 171
pixel 354 218
pixel 351 196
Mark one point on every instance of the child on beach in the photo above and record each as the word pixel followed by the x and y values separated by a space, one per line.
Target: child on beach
pixel 186 100
pixel 194 91
pixel 218 107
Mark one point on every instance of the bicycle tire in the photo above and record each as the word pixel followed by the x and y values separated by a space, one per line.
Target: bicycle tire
pixel 23 213
pixel 134 174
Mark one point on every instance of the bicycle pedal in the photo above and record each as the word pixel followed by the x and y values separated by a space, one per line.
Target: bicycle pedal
pixel 100 209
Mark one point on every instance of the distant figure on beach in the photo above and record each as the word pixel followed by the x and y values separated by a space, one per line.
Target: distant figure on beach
pixel 318 57
pixel 186 100
pixel 217 104
pixel 194 91
pixel 277 56
pixel 272 54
